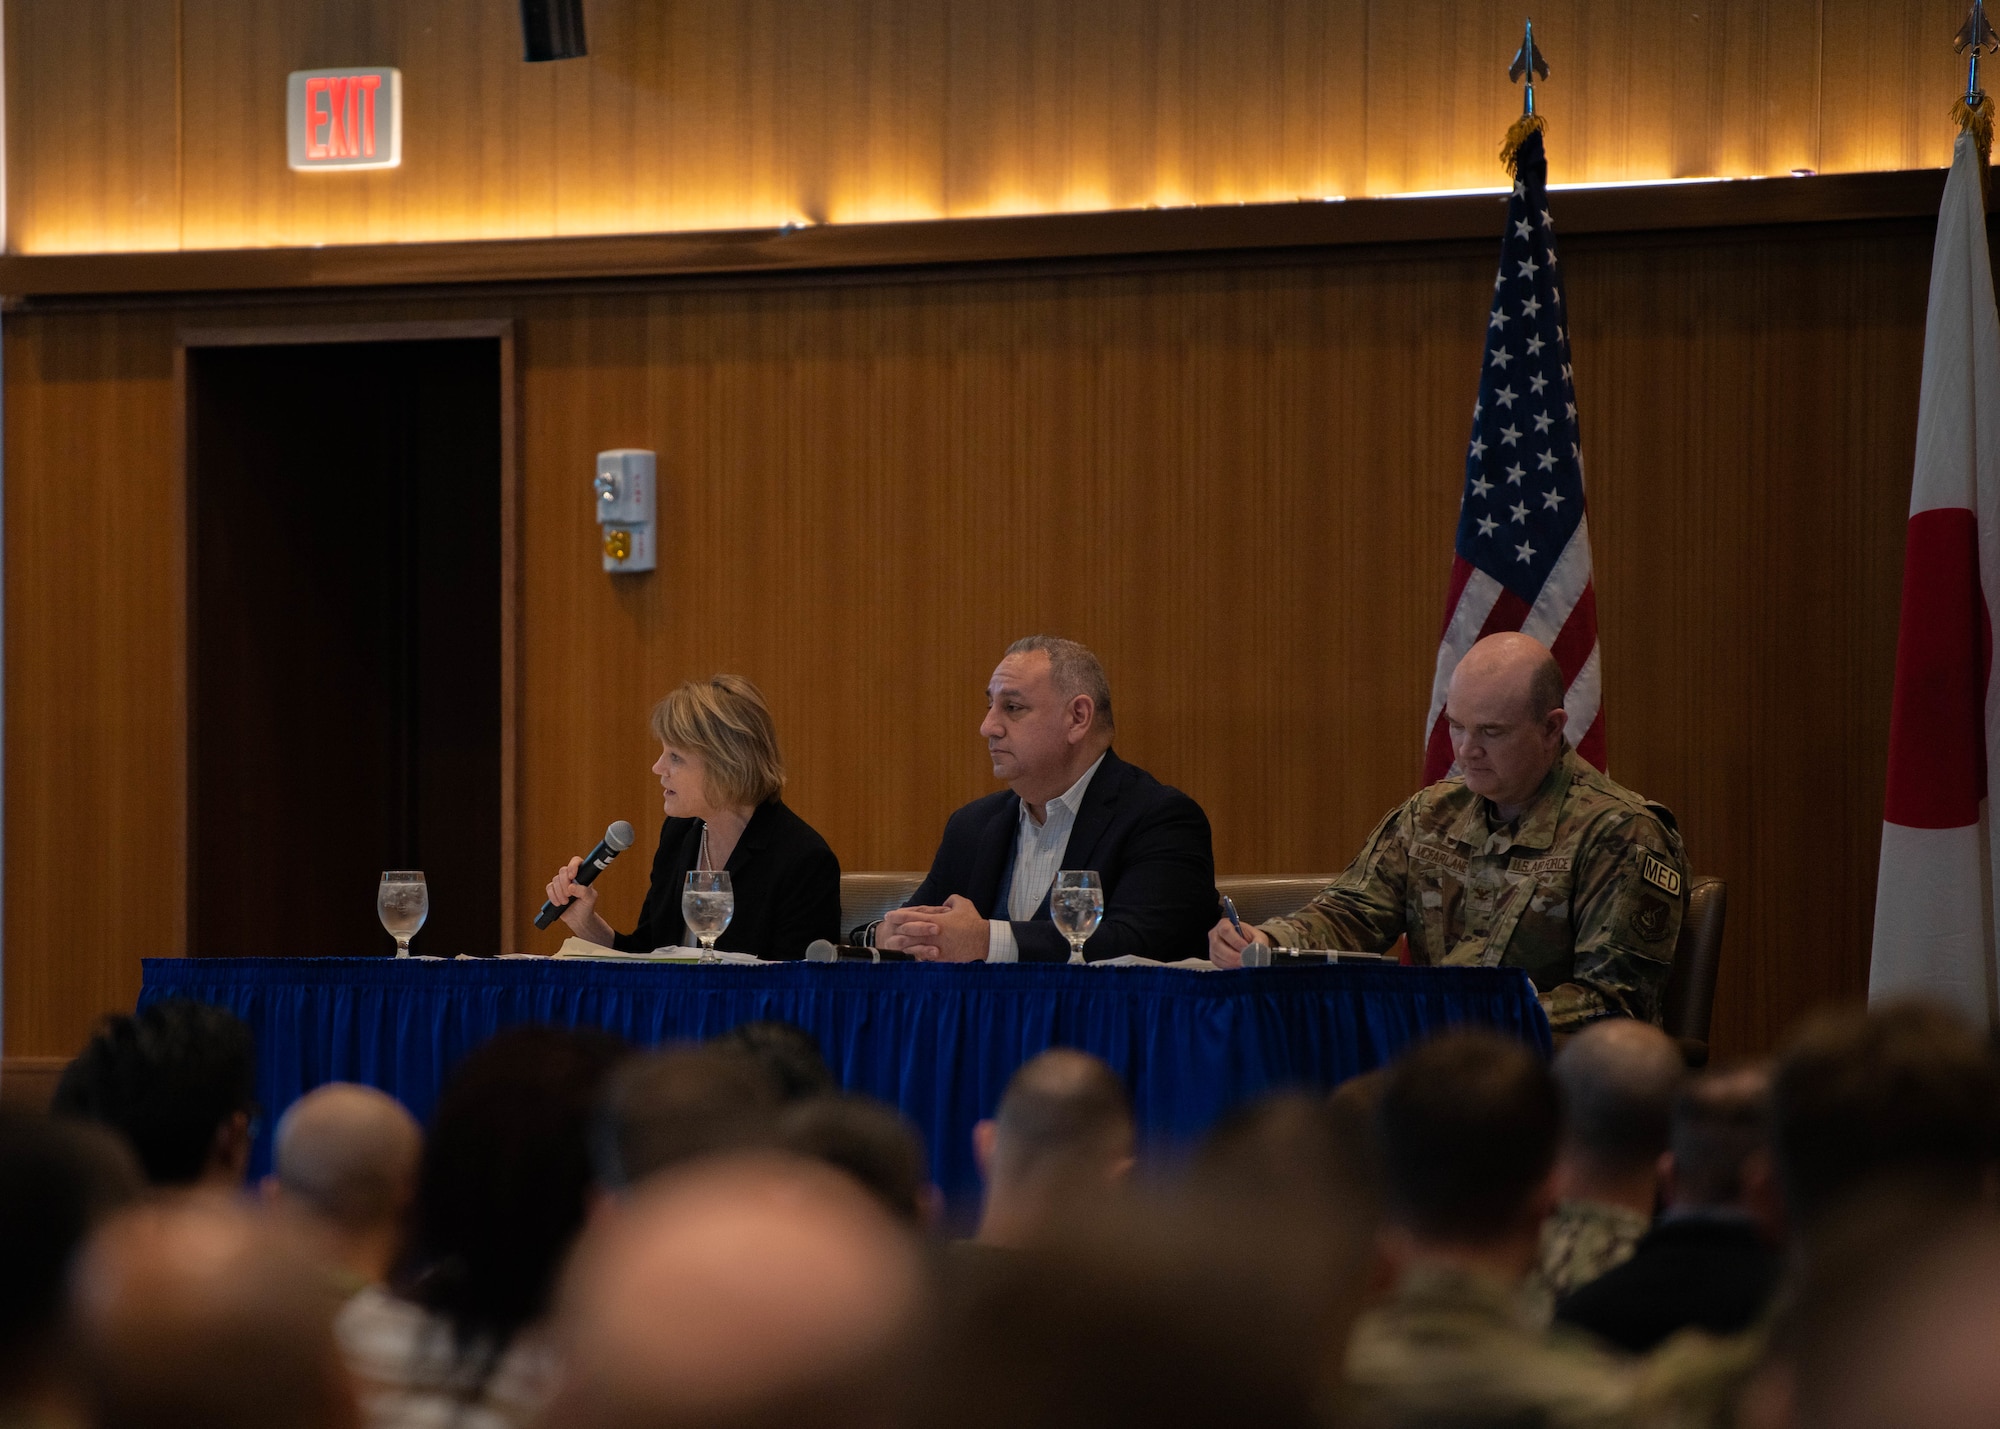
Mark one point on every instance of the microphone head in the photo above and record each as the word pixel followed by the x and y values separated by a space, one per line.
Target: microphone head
pixel 819 950
pixel 618 837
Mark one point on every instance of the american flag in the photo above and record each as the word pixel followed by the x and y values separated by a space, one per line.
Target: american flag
pixel 1522 557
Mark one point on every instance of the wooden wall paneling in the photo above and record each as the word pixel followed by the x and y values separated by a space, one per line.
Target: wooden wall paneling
pixel 1889 79
pixel 134 129
pixel 93 120
pixel 1749 416
pixel 95 862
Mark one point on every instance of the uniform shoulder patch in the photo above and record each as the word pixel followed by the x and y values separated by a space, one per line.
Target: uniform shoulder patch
pixel 1652 918
pixel 1661 874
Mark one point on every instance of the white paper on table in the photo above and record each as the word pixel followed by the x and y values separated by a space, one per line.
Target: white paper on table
pixel 1132 960
pixel 581 950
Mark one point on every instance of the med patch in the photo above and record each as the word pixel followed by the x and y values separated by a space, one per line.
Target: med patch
pixel 1661 874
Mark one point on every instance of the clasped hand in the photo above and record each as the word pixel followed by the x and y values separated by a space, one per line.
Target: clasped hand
pixel 950 932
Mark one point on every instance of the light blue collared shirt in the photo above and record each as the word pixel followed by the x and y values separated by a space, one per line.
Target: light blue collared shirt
pixel 1038 856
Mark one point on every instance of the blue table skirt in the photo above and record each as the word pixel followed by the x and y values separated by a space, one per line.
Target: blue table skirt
pixel 938 1042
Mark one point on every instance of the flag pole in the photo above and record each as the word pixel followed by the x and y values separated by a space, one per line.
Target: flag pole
pixel 1528 64
pixel 1974 108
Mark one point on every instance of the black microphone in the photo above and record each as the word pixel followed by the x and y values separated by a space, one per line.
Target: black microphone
pixel 617 839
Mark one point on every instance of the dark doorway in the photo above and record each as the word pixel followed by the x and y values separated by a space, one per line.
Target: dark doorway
pixel 345 714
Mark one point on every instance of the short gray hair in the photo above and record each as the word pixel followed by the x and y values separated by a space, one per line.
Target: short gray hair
pixel 1076 671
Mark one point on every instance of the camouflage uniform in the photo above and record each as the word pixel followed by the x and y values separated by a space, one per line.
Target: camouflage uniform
pixel 1449 1347
pixel 1583 891
pixel 1583 1239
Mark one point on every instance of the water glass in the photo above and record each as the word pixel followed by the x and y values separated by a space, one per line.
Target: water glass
pixel 1077 905
pixel 707 905
pixel 402 903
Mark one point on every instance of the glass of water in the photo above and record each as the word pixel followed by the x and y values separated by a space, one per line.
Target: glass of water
pixel 403 903
pixel 707 905
pixel 1077 905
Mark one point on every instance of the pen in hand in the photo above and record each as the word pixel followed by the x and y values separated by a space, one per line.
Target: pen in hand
pixel 1229 907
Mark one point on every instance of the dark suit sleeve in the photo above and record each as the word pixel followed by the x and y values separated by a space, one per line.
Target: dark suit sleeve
pixel 948 865
pixel 809 902
pixel 1163 901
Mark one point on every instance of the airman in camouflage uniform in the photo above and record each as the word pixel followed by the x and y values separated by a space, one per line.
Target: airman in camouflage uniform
pixel 1526 857
pixel 1450 1347
pixel 1583 1239
pixel 1583 891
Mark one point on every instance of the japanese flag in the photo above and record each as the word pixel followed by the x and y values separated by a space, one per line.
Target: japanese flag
pixel 1935 933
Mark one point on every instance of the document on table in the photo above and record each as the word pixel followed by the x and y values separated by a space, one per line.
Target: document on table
pixel 578 949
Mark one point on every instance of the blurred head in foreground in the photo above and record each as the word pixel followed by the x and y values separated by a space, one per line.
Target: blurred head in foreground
pixel 177 1081
pixel 737 1293
pixel 1894 1319
pixel 1905 1094
pixel 872 1142
pixel 788 1052
pixel 662 1109
pixel 1468 1125
pixel 1061 1141
pixel 1142 1316
pixel 194 1312
pixel 505 1179
pixel 58 1180
pixel 1719 1147
pixel 1618 1080
pixel 347 1170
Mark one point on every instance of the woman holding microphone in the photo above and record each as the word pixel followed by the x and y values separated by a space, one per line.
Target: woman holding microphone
pixel 720 777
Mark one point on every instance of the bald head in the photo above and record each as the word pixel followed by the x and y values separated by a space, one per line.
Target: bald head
pixel 349 1154
pixel 194 1311
pixel 739 1291
pixel 1619 1080
pixel 1504 711
pixel 1064 1110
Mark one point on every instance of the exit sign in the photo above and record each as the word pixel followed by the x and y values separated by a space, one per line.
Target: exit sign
pixel 345 118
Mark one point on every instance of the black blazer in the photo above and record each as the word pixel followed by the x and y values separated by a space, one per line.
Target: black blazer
pixel 1708 1271
pixel 786 881
pixel 1149 843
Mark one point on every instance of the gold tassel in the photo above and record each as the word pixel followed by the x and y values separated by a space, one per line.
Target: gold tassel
pixel 1976 120
pixel 1510 148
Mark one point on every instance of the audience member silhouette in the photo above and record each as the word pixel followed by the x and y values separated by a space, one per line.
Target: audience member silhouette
pixel 346 1173
pixel 754 1291
pixel 192 1311
pixel 1713 1259
pixel 178 1080
pixel 873 1143
pixel 1618 1080
pixel 662 1109
pixel 502 1190
pixel 1061 1141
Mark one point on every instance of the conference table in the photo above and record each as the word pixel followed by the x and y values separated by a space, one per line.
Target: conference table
pixel 938 1042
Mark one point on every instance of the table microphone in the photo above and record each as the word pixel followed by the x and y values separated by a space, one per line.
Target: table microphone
pixel 819 950
pixel 617 839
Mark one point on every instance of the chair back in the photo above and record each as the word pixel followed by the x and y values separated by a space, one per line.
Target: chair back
pixel 864 897
pixel 1258 896
pixel 1690 996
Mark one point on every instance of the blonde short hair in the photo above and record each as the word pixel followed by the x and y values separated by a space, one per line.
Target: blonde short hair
pixel 725 721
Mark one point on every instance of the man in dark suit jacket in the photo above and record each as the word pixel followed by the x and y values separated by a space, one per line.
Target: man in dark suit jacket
pixel 1070 804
